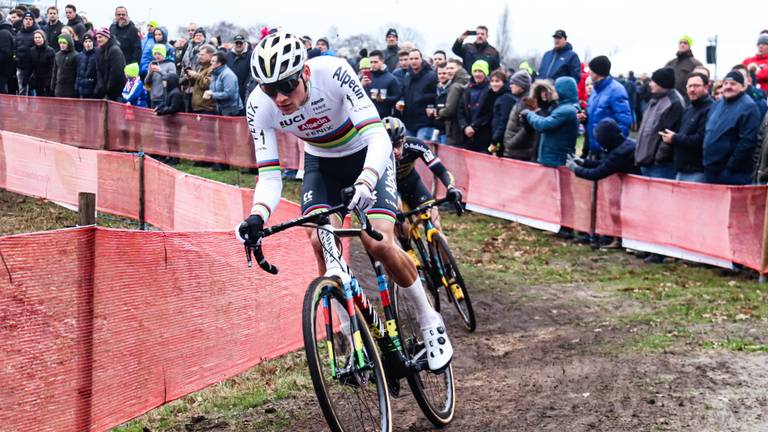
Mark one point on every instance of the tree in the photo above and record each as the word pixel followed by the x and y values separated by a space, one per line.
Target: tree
pixel 504 38
pixel 224 30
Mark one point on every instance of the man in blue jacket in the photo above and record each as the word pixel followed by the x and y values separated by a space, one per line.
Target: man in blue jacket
pixel 224 87
pixel 730 136
pixel 561 60
pixel 380 80
pixel 419 91
pixel 607 100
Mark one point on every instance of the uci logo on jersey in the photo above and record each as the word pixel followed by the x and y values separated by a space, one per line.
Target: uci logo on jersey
pixel 348 80
pixel 289 121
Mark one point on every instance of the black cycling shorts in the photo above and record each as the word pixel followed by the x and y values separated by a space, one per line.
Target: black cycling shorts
pixel 324 178
pixel 413 191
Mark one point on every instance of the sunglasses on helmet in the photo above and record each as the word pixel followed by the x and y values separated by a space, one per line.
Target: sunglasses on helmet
pixel 285 86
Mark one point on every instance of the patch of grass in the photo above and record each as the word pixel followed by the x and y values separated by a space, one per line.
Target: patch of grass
pixel 735 345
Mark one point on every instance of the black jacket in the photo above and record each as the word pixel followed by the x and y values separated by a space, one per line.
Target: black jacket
pixel 174 100
pixel 129 40
pixel 476 110
pixel 25 43
pixel 7 47
pixel 501 109
pixel 418 93
pixel 392 57
pixel 471 52
pixel 65 72
pixel 52 33
pixel 382 79
pixel 78 26
pixel 241 66
pixel 619 160
pixel 41 67
pixel 110 74
pixel 688 142
pixel 86 74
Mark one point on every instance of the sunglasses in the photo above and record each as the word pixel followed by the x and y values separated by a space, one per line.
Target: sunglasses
pixel 285 86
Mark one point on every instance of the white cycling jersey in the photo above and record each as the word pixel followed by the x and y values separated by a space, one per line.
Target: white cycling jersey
pixel 337 120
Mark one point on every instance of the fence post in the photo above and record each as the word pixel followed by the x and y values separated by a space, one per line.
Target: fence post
pixel 764 262
pixel 142 222
pixel 105 125
pixel 593 218
pixel 86 209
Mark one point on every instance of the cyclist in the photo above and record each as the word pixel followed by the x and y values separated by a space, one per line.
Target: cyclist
pixel 322 102
pixel 407 151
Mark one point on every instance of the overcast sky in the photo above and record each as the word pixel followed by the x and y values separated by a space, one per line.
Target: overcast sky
pixel 638 35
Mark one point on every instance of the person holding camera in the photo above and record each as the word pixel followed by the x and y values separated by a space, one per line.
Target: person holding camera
pixel 480 49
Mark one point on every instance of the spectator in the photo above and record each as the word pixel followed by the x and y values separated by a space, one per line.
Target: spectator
pixel 53 28
pixel 325 47
pixel 560 128
pixel 757 95
pixel 717 90
pixel 441 96
pixel 157 71
pixel 419 91
pixel 65 68
pixel 448 113
pixel 543 98
pixel 191 61
pixel 643 96
pixel 25 45
pixel 181 52
pixel 307 41
pixel 42 58
pixel 403 64
pixel 78 44
pixel 439 59
pixel 687 143
pixel 480 49
pixel 160 36
pixel 224 87
pixel 392 52
pixel 731 134
pixel 172 104
pixel 86 69
pixel 127 35
pixel 134 92
pixel 200 82
pixel 239 60
pixel 75 21
pixel 519 141
pixel 146 45
pixel 476 110
pixel 7 43
pixel 608 99
pixel 110 67
pixel 561 60
pixel 383 88
pixel 758 64
pixel 619 158
pixel 683 64
pixel 503 102
pixel 761 166
pixel 654 156
pixel 15 17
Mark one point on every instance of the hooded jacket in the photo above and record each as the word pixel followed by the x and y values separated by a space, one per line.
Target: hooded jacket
pixel 472 52
pixel 558 63
pixel 25 43
pixel 224 90
pixel 129 40
pixel 418 93
pixel 730 136
pixel 619 157
pixel 502 106
pixel 683 64
pixel 52 33
pixel 560 128
pixel 41 68
pixel 476 111
pixel 664 111
pixel 519 141
pixel 146 55
pixel 607 100
pixel 110 75
pixel 174 100
pixel 7 48
pixel 688 142
pixel 85 85
pixel 65 70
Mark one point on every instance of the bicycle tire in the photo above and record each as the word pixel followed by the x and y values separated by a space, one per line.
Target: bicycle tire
pixel 435 393
pixel 426 273
pixel 453 275
pixel 333 394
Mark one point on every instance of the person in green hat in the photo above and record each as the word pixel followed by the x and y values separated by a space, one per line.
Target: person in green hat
pixel 158 69
pixel 134 93
pixel 476 110
pixel 65 68
pixel 683 64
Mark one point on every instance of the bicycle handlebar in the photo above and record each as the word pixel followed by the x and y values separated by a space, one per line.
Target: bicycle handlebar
pixel 401 216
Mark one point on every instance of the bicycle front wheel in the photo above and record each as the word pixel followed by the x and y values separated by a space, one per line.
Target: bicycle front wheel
pixel 456 289
pixel 352 396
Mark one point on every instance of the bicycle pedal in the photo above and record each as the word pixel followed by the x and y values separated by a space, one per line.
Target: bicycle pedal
pixel 458 293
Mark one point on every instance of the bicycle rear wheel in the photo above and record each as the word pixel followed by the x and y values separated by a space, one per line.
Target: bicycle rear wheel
pixel 456 289
pixel 352 398
pixel 435 392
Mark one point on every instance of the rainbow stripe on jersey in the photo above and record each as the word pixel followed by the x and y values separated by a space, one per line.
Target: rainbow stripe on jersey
pixel 343 134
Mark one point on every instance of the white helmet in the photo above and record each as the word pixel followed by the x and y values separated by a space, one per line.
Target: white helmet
pixel 277 56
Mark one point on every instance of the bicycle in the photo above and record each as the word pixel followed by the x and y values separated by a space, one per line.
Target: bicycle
pixel 436 260
pixel 355 360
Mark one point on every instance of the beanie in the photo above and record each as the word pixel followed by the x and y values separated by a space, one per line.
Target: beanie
pixel 736 76
pixel 600 65
pixel 28 15
pixel 664 77
pixel 88 36
pixel 482 66
pixel 153 24
pixel 62 39
pixel 608 134
pixel 131 70
pixel 687 39
pixel 521 79
pixel 365 63
pixel 391 32
pixel 763 39
pixel 159 48
pixel 104 32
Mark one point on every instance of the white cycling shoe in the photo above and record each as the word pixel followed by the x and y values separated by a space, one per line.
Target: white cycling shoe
pixel 439 348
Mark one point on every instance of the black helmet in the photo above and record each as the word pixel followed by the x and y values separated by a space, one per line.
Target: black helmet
pixel 395 128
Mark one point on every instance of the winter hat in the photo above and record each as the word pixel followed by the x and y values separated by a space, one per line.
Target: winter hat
pixel 201 31
pixel 159 48
pixel 153 24
pixel 104 32
pixel 391 32
pixel 763 39
pixel 62 39
pixel 324 40
pixel 600 65
pixel 736 76
pixel 88 36
pixel 28 15
pixel 482 66
pixel 521 79
pixel 687 39
pixel 665 77
pixel 131 70
pixel 365 63
pixel 608 133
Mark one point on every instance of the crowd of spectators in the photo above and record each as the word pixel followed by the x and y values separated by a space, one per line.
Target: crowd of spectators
pixel 679 123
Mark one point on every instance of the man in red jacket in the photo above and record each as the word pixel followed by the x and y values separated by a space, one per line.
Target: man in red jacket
pixel 758 64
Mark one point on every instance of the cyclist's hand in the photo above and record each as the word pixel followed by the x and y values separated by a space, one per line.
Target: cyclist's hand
pixel 453 194
pixel 363 198
pixel 250 229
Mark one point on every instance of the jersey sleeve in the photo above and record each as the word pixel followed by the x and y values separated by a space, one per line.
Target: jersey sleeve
pixel 269 186
pixel 433 162
pixel 366 121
